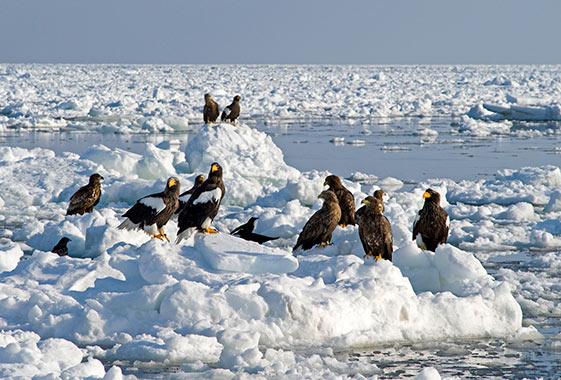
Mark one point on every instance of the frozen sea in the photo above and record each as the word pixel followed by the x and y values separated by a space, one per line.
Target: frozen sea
pixel 487 305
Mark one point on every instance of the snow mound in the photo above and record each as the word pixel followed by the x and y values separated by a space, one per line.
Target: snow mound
pixel 24 355
pixel 252 163
pixel 243 256
pixel 548 175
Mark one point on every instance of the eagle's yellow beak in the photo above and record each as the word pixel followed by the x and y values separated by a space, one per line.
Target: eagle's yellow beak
pixel 325 183
pixel 202 178
pixel 213 168
pixel 171 182
pixel 426 194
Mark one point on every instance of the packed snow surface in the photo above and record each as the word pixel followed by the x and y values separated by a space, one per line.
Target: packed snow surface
pixel 218 304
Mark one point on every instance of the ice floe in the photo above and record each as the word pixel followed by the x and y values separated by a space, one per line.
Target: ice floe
pixel 219 304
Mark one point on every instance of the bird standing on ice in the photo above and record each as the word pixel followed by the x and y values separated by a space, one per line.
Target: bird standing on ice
pixel 210 110
pixel 86 197
pixel 184 197
pixel 232 112
pixel 152 212
pixel 245 231
pixel 432 223
pixel 202 207
pixel 320 226
pixel 379 195
pixel 375 230
pixel 60 248
pixel 345 198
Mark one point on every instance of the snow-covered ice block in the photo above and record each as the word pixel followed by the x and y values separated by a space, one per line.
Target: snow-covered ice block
pixel 229 253
pixel 526 113
pixel 252 163
pixel 9 257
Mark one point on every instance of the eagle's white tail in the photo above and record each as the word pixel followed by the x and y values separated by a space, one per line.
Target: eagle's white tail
pixel 185 234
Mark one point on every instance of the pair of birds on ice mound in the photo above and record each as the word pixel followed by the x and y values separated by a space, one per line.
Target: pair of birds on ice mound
pixel 197 208
pixel 230 114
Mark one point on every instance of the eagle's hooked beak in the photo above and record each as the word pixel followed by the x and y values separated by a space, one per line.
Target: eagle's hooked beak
pixel 426 194
pixel 171 182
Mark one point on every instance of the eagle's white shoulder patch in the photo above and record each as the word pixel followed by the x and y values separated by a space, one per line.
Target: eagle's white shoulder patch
pixel 154 202
pixel 227 111
pixel 209 196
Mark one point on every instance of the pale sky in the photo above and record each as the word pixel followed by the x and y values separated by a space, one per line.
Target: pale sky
pixel 289 31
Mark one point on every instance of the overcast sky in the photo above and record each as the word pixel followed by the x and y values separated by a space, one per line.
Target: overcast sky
pixel 281 31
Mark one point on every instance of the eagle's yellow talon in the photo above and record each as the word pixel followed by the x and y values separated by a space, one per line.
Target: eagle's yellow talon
pixel 159 236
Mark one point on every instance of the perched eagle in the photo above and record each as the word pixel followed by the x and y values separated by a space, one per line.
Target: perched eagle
pixel 345 198
pixel 432 223
pixel 60 248
pixel 245 231
pixel 321 225
pixel 210 110
pixel 375 230
pixel 232 112
pixel 379 195
pixel 152 212
pixel 184 197
pixel 84 200
pixel 202 207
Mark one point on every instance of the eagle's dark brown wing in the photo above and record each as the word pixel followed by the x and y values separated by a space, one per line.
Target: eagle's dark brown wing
pixel 84 200
pixel 347 204
pixel 376 235
pixel 211 111
pixel 319 227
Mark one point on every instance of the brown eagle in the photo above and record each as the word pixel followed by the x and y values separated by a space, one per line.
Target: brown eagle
pixel 152 212
pixel 345 198
pixel 232 112
pixel 432 223
pixel 201 208
pixel 322 223
pixel 375 230
pixel 379 195
pixel 245 231
pixel 184 197
pixel 84 200
pixel 210 110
